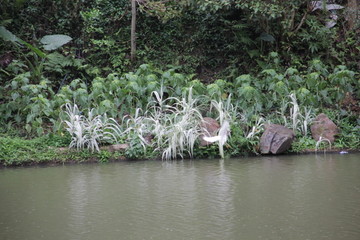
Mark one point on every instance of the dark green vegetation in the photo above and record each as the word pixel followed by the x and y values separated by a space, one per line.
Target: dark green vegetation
pixel 15 151
pixel 257 53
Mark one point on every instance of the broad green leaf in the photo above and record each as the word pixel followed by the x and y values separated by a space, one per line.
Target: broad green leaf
pixel 17 118
pixel 15 95
pixel 39 131
pixel 242 79
pixel 39 120
pixel 14 84
pixel 8 36
pixel 28 127
pixel 106 103
pixel 151 77
pixel 270 72
pixel 52 42
pixel 29 118
pixel 291 71
pixel 266 37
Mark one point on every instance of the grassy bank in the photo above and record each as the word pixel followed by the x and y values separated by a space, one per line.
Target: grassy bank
pixel 49 149
pixel 53 149
pixel 159 114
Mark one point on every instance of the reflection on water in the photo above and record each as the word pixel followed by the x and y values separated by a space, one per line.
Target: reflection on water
pixel 286 197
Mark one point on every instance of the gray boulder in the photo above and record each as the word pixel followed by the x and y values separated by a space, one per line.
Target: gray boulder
pixel 116 147
pixel 324 127
pixel 276 139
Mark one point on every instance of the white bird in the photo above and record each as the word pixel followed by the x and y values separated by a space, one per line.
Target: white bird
pixel 221 138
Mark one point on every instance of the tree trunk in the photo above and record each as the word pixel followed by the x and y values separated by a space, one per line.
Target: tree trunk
pixel 353 13
pixel 133 30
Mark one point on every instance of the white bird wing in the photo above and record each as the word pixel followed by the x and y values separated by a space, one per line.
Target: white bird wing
pixel 212 139
pixel 222 136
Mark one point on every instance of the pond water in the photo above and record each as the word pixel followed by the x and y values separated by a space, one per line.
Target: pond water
pixel 287 197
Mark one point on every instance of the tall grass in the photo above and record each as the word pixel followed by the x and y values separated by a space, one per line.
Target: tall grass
pixel 256 129
pixel 226 111
pixel 175 124
pixel 89 132
pixel 299 118
pixel 172 123
pixel 226 114
pixel 322 140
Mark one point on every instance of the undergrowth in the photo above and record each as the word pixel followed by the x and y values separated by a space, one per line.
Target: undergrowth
pixel 53 149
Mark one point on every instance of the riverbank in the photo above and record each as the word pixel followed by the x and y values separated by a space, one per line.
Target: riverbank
pixel 51 150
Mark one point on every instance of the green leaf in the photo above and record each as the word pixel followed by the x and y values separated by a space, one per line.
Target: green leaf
pixel 39 131
pixel 8 36
pixel 15 95
pixel 39 120
pixel 243 79
pixel 34 49
pixel 17 118
pixel 14 84
pixel 52 42
pixel 106 104
pixel 266 37
pixel 270 72
pixel 28 127
pixel 29 118
pixel 58 59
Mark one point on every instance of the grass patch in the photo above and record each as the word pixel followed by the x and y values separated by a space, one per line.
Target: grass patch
pixel 49 149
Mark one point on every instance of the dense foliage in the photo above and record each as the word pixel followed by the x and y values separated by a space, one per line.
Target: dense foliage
pixel 263 57
pixel 213 38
